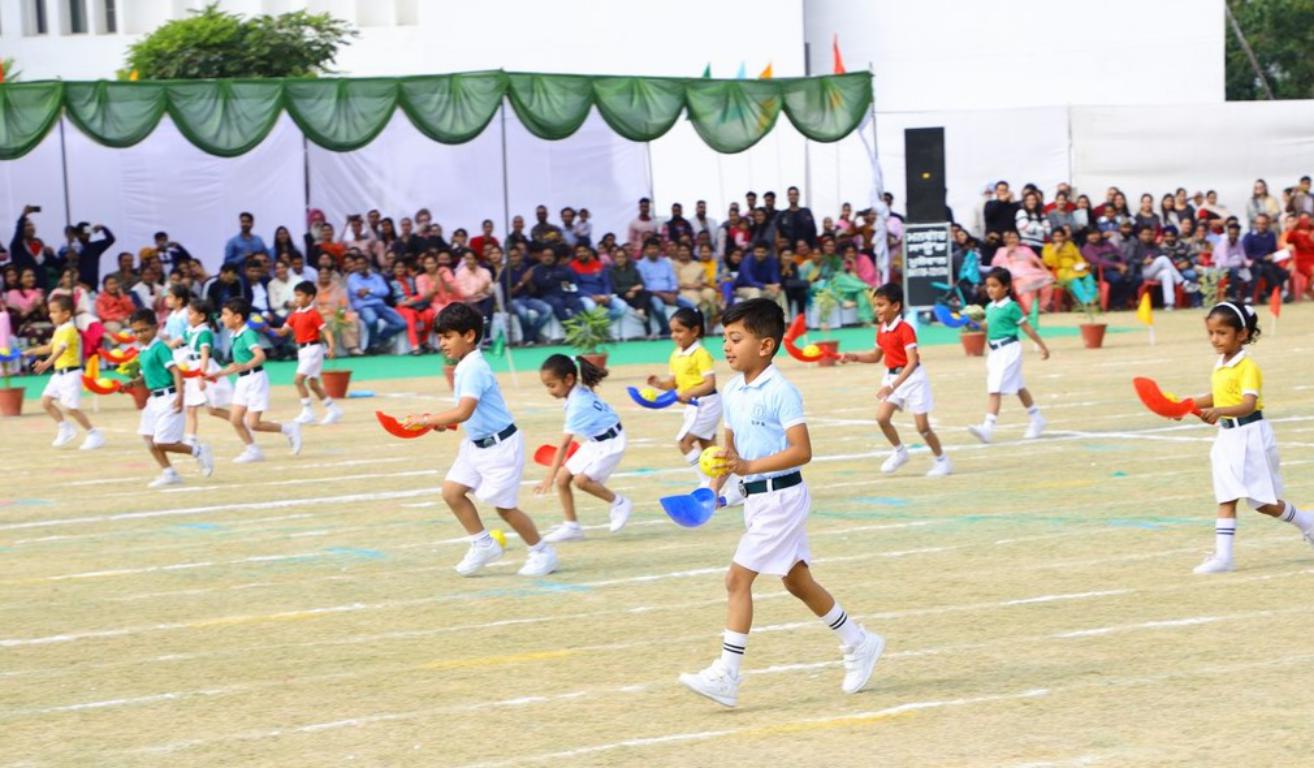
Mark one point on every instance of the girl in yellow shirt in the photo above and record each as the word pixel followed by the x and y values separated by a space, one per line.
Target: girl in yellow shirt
pixel 1244 455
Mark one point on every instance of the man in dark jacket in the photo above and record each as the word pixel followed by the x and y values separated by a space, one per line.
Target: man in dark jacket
pixel 555 284
pixel 796 222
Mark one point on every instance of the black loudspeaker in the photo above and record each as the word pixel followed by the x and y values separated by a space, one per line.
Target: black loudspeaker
pixel 924 149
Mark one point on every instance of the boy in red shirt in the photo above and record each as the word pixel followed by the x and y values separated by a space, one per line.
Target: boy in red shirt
pixel 314 341
pixel 905 384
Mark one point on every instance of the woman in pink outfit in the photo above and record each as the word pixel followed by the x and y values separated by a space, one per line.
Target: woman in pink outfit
pixel 1030 275
pixel 437 283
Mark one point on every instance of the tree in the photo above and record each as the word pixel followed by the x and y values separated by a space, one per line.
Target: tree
pixel 1281 34
pixel 212 43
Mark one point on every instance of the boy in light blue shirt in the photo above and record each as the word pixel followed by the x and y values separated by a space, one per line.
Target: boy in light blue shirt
pixel 491 459
pixel 766 441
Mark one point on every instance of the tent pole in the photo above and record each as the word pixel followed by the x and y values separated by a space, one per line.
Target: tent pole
pixel 505 299
pixel 63 164
pixel 305 171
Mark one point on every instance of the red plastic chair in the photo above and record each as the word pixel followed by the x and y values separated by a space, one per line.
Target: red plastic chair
pixel 1179 295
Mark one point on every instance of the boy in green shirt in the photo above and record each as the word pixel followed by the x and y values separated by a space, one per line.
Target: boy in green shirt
pixel 161 422
pixel 251 394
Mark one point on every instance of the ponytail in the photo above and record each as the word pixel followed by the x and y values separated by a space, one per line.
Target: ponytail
pixel 584 372
pixel 589 373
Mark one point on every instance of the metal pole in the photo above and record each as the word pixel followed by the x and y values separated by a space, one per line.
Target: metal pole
pixel 305 170
pixel 807 144
pixel 505 298
pixel 63 164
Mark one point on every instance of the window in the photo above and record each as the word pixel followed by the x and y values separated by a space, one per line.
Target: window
pixel 77 17
pixel 35 20
pixel 110 18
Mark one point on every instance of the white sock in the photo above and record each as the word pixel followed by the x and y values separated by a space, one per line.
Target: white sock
pixel 305 402
pixel 481 538
pixel 1033 411
pixel 196 448
pixel 692 456
pixel 733 645
pixel 169 471
pixel 189 439
pixel 849 632
pixel 571 524
pixel 1302 520
pixel 541 545
pixel 990 419
pixel 1224 533
pixel 327 402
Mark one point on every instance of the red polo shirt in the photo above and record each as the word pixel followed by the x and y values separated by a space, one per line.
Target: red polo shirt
pixel 894 341
pixel 305 325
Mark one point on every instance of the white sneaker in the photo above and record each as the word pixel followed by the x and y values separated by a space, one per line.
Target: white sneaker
pixel 292 432
pixel 1214 564
pixel 564 532
pixel 620 513
pixel 898 457
pixel 715 683
pixel 941 467
pixel 205 459
pixel 306 416
pixel 332 415
pixel 477 556
pixel 859 661
pixel 539 563
pixel 65 435
pixel 95 439
pixel 251 454
pixel 167 477
pixel 1036 426
pixel 981 432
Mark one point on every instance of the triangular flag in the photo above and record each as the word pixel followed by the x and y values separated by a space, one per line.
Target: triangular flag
pixel 1275 303
pixel 835 52
pixel 766 73
pixel 742 72
pixel 707 71
pixel 1144 312
pixel 499 344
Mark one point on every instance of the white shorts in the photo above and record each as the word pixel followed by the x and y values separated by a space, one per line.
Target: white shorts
pixel 252 391
pixel 65 388
pixel 159 422
pixel 597 459
pixel 913 395
pixel 1004 370
pixel 217 393
pixel 1245 464
pixel 777 535
pixel 310 361
pixel 493 473
pixel 702 420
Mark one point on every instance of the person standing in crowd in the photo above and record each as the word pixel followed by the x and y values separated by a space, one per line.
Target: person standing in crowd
pixel 1032 227
pixel 480 242
pixel 702 222
pixel 568 227
pixel 544 231
pixel 1001 212
pixel 677 228
pixel 641 229
pixel 796 222
pixel 244 243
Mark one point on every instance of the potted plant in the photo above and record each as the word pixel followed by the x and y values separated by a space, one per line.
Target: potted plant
pixel 336 380
pixel 971 336
pixel 11 398
pixel 587 331
pixel 1086 295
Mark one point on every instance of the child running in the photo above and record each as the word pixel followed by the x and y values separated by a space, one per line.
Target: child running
pixel 161 423
pixel 251 394
pixel 64 390
pixel 602 445
pixel 314 343
pixel 766 441
pixel 491 459
pixel 216 394
pixel 905 384
pixel 1245 453
pixel 1003 320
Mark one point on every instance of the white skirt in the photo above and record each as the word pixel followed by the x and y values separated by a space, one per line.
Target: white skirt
pixel 777 535
pixel 1245 465
pixel 597 459
pixel 702 420
pixel 217 393
pixel 1004 370
pixel 913 395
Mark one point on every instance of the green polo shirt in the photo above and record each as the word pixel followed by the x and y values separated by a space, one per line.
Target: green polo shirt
pixel 1002 319
pixel 198 338
pixel 155 361
pixel 243 343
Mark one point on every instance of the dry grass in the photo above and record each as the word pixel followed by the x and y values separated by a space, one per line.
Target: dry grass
pixel 1039 604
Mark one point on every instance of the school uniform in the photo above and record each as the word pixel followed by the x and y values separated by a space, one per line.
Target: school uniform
pixel 252 388
pixel 159 421
pixel 1004 363
pixel 306 325
pixel 690 367
pixel 65 385
pixel 914 394
pixel 603 441
pixel 1245 453
pixel 217 393
pixel 491 458
pixel 777 503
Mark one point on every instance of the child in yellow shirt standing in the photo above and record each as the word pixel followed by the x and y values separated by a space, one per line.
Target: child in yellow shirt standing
pixel 64 390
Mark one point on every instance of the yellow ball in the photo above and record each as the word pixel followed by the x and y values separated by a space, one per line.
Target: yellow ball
pixel 711 464
pixel 648 393
pixel 104 382
pixel 812 350
pixel 499 537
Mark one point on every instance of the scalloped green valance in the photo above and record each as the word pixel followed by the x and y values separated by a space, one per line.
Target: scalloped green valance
pixel 230 117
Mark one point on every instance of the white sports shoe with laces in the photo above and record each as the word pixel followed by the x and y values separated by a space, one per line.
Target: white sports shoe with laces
pixel 477 556
pixel 620 513
pixel 540 562
pixel 860 660
pixel 898 457
pixel 715 682
pixel 1214 564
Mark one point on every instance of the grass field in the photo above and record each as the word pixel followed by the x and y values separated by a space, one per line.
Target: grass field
pixel 1039 605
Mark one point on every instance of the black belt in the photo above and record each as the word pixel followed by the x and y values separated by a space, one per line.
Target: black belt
pixel 778 483
pixel 492 440
pixel 609 434
pixel 1242 421
pixel 163 392
pixel 70 369
pixel 256 369
pixel 895 371
pixel 1004 342
pixel 309 344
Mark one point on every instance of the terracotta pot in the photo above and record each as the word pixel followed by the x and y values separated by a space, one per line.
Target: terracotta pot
pixel 599 359
pixel 336 383
pixel 450 372
pixel 1093 334
pixel 974 342
pixel 11 401
pixel 140 394
pixel 830 349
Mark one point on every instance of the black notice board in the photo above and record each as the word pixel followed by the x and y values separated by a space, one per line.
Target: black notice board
pixel 927 259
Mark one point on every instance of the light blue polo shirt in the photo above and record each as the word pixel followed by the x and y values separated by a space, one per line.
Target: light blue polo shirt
pixel 475 379
pixel 760 413
pixel 586 414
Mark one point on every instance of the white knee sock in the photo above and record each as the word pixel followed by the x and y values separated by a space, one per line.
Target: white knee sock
pixel 733 645
pixel 849 632
pixel 1224 533
pixel 991 418
pixel 1302 520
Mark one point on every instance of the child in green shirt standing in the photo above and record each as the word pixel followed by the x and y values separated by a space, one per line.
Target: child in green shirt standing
pixel 251 394
pixel 161 422
pixel 1003 320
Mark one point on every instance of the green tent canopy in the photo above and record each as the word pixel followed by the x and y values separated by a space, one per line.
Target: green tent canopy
pixel 230 117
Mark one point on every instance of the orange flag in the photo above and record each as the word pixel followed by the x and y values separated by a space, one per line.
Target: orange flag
pixel 766 73
pixel 1275 303
pixel 835 52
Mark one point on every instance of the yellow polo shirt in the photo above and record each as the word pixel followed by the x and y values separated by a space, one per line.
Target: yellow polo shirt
pixel 1235 379
pixel 690 366
pixel 67 334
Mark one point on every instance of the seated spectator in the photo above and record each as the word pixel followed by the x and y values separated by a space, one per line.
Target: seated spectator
pixel 333 305
pixel 628 285
pixel 326 246
pixel 355 235
pixel 1060 215
pixel 148 291
pixel 298 270
pixel 280 289
pixel 759 276
pixel 966 254
pixel 1031 278
pixel 1155 266
pixel 691 276
pixel 1180 254
pixel 1146 217
pixel 1111 267
pixel 475 283
pixel 1230 256
pixel 125 273
pixel 517 234
pixel 113 306
pixel 480 242
pixel 414 307
pixel 1063 258
pixel 1083 217
pixel 26 304
pixel 594 281
pixel 437 283
pixel 1301 243
pixel 532 312
pixel 555 285
pixel 659 279
pixel 368 293
pixel 1261 249
pixel 228 285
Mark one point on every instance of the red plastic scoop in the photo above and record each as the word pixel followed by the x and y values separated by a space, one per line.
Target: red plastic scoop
pixel 1162 403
